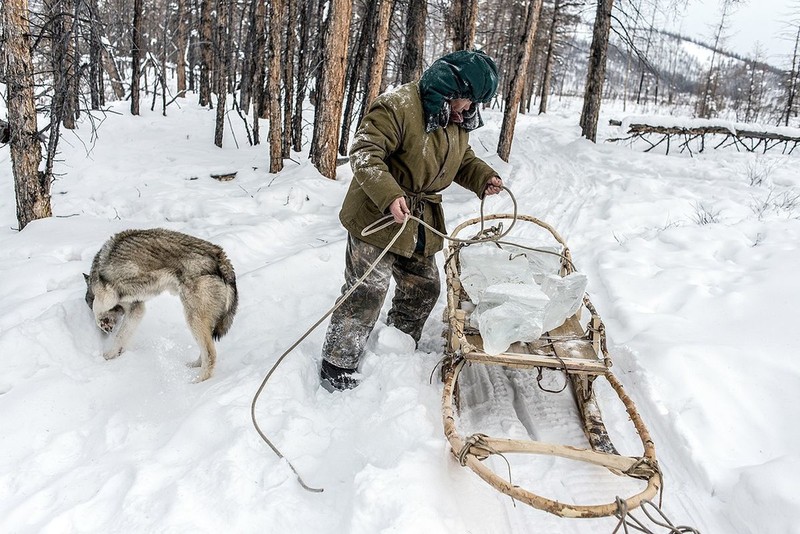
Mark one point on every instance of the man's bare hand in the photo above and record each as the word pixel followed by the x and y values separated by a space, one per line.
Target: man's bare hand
pixel 399 210
pixel 493 186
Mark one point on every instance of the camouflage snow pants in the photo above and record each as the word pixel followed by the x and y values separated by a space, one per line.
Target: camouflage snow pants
pixel 417 280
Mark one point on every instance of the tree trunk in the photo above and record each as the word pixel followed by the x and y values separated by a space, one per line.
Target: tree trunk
pixel 297 116
pixel 464 17
pixel 260 50
pixel 330 88
pixel 794 79
pixel 250 57
pixel 32 189
pixel 596 74
pixel 274 86
pixel 136 55
pixel 180 49
pixel 206 59
pixel 518 79
pixel 221 88
pixel 353 78
pixel 414 49
pixel 73 99
pixel 96 96
pixel 110 66
pixel 548 60
pixel 288 76
pixel 377 56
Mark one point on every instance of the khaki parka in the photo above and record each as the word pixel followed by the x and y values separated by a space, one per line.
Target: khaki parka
pixel 392 156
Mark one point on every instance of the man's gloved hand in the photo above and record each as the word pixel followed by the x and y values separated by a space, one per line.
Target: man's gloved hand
pixel 399 209
pixel 493 186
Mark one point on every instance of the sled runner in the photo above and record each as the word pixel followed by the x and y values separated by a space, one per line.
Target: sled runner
pixel 578 349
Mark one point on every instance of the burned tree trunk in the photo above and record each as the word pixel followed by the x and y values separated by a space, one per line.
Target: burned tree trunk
pixel 793 84
pixel 32 189
pixel 136 50
pixel 464 16
pixel 288 76
pixel 548 60
pixel 297 116
pixel 330 88
pixel 518 79
pixel 96 87
pixel 259 47
pixel 377 56
pixel 222 69
pixel 353 78
pixel 595 77
pixel 414 49
pixel 205 53
pixel 180 49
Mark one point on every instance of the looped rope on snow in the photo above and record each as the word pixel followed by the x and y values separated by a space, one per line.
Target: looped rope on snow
pixel 378 225
pixel 626 519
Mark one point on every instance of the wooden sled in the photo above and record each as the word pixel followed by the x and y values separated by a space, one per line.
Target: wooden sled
pixel 580 352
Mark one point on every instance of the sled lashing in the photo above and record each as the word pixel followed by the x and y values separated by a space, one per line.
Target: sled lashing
pixel 576 348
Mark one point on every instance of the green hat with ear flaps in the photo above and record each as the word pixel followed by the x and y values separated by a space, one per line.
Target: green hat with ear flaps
pixel 464 74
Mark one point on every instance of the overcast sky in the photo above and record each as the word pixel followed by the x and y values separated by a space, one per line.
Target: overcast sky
pixel 754 20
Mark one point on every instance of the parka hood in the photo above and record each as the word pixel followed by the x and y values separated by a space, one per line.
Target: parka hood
pixel 464 74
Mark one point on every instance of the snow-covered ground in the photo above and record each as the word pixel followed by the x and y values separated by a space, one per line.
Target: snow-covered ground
pixel 692 263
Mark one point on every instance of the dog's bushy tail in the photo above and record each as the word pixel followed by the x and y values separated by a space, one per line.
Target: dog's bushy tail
pixel 225 271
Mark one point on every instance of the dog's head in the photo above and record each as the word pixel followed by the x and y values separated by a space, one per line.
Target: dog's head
pixel 106 320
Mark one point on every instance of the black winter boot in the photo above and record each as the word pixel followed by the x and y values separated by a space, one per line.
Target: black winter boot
pixel 338 378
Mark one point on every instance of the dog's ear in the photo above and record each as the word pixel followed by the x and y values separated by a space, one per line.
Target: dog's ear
pixel 86 277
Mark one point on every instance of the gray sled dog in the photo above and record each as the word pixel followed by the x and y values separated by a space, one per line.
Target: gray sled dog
pixel 135 265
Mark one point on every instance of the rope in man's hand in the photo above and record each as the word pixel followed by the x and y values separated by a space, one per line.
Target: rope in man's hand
pixel 377 226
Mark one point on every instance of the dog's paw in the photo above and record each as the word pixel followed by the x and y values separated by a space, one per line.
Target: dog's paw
pixel 202 377
pixel 107 323
pixel 113 353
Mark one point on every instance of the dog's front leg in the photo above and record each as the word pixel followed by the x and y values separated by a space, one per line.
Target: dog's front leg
pixel 133 316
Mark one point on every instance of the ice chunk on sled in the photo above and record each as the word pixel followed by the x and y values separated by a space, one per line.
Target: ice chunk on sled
pixel 566 296
pixel 509 313
pixel 541 262
pixel 484 266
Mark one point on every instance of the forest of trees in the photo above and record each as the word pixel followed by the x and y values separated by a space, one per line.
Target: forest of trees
pixel 312 67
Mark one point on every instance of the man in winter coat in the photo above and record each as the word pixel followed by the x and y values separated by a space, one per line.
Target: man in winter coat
pixel 412 144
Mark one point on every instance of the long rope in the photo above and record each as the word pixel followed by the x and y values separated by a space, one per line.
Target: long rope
pixel 377 226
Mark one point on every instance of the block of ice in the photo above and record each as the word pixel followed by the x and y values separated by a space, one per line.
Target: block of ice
pixel 543 261
pixel 509 313
pixel 566 296
pixel 483 266
pixel 517 292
